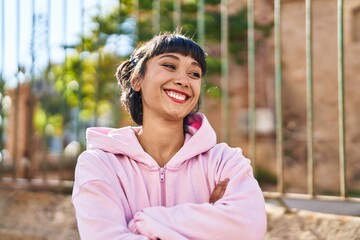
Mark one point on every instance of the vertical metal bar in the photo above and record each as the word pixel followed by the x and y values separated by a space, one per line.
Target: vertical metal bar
pixel 341 86
pixel 137 17
pixel 2 87
pixel 200 18
pixel 29 109
pixel 310 101
pixel 98 66
pixel 44 160
pixel 201 23
pixel 2 38
pixel 252 83
pixel 48 26
pixel 80 77
pixel 278 97
pixel 46 81
pixel 63 107
pixel 156 16
pixel 224 71
pixel 177 14
pixel 17 95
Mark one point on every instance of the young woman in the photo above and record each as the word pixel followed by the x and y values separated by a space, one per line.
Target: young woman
pixel 167 178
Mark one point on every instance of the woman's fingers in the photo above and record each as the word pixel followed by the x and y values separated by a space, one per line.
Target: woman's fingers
pixel 219 190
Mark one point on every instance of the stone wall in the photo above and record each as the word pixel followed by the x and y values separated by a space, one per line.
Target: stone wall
pixel 36 215
pixel 306 225
pixel 45 216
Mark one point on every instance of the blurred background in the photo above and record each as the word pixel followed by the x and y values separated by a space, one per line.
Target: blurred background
pixel 283 84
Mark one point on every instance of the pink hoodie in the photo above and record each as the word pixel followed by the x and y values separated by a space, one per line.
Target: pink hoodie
pixel 120 191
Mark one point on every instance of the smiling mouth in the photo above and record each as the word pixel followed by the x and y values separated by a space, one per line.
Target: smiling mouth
pixel 178 97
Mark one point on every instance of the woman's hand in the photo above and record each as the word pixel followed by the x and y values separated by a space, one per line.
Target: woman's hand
pixel 218 191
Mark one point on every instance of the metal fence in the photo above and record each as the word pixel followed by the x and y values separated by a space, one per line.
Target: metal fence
pixel 311 191
pixel 35 34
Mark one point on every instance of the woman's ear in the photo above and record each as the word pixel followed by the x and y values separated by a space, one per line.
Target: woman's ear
pixel 135 83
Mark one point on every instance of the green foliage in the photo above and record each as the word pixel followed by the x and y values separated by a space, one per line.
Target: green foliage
pixel 265 29
pixel 355 193
pixel 213 64
pixel 264 176
pixel 2 110
pixel 82 81
pixel 39 119
pixel 213 27
pixel 238 35
pixel 213 2
pixel 46 123
pixel 212 90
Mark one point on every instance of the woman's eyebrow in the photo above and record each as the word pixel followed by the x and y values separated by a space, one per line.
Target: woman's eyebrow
pixel 178 59
pixel 170 56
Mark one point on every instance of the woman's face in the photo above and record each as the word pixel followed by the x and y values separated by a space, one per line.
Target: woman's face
pixel 170 87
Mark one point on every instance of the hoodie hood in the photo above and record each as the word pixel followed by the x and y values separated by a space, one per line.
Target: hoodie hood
pixel 199 138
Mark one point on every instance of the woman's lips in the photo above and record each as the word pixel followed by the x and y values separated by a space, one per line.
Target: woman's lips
pixel 176 96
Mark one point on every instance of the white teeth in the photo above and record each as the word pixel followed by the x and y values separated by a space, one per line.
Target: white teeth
pixel 176 95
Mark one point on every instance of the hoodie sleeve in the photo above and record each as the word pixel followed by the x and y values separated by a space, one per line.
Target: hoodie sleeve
pixel 99 210
pixel 145 225
pixel 239 214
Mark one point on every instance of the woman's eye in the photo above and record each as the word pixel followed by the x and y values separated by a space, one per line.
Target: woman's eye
pixel 195 75
pixel 170 66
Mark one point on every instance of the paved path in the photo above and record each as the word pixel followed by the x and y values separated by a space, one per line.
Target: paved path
pixel 332 207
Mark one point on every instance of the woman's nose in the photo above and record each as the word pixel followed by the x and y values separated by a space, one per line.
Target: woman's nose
pixel 183 80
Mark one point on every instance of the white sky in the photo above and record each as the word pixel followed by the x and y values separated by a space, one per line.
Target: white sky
pixel 10 54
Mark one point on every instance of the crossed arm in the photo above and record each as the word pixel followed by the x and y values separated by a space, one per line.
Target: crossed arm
pixel 145 225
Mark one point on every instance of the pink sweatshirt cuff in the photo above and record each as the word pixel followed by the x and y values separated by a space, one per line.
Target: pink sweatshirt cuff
pixel 147 226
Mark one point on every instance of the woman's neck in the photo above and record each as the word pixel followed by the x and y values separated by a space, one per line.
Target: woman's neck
pixel 161 140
